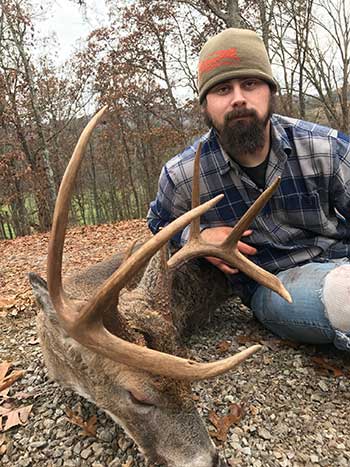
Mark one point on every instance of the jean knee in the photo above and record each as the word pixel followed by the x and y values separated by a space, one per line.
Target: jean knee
pixel 320 312
pixel 305 319
pixel 297 329
pixel 336 300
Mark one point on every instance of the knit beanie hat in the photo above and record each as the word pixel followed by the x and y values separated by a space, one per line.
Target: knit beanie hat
pixel 233 53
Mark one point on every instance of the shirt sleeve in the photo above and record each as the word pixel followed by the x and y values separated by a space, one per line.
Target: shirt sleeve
pixel 341 179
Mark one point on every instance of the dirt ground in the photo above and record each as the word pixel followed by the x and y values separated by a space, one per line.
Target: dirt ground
pixel 295 397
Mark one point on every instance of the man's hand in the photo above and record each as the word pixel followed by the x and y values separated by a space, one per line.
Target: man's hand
pixel 216 235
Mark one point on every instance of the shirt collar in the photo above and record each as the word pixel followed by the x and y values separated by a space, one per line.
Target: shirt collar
pixel 222 160
pixel 279 137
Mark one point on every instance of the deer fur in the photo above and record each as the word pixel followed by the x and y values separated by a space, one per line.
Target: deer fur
pixel 157 412
pixel 98 337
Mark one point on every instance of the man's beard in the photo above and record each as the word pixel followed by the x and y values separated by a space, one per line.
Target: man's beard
pixel 239 137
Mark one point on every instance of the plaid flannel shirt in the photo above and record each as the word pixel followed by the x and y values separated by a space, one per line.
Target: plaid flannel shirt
pixel 307 218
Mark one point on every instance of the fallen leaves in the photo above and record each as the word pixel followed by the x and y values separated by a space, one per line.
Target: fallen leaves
pixel 13 417
pixel 7 381
pixel 223 346
pixel 6 303
pixel 88 426
pixel 85 245
pixel 326 368
pixel 322 365
pixel 3 444
pixel 10 416
pixel 225 422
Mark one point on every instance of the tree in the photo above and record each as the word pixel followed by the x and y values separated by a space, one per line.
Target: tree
pixel 228 11
pixel 292 25
pixel 22 108
pixel 328 61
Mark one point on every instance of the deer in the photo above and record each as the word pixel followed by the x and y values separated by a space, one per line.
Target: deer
pixel 120 346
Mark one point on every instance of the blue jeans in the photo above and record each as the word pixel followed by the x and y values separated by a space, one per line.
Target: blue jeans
pixel 306 319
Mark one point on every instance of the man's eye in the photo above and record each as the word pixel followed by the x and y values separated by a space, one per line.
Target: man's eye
pixel 250 84
pixel 222 90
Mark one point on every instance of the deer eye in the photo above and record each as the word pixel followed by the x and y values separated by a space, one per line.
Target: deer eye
pixel 137 400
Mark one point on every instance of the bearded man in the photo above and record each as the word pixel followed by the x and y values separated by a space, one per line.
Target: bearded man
pixel 303 233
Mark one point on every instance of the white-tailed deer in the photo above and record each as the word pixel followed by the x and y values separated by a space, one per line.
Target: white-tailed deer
pixel 121 348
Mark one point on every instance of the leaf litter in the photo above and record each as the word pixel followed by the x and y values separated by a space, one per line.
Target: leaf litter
pixel 23 255
pixel 10 416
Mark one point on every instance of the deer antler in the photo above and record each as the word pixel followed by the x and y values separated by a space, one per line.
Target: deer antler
pixel 84 321
pixel 228 250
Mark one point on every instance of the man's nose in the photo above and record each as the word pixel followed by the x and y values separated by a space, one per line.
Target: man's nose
pixel 238 97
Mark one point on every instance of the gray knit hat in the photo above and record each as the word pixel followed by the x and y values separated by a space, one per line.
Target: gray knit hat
pixel 233 53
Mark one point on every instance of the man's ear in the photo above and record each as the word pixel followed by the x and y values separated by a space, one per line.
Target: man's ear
pixel 204 104
pixel 41 294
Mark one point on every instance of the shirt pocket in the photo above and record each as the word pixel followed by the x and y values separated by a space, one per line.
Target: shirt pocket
pixel 303 211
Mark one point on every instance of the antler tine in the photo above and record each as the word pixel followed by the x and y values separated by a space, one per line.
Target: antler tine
pixel 195 224
pixel 228 250
pixel 60 219
pixel 251 214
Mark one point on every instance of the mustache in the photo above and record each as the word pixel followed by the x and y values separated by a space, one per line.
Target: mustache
pixel 239 113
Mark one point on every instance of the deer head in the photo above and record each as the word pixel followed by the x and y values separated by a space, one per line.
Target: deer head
pixel 120 348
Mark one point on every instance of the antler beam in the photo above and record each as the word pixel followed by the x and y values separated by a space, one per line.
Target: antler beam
pixel 84 321
pixel 228 250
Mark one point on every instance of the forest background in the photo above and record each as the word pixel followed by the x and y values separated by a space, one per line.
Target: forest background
pixel 142 64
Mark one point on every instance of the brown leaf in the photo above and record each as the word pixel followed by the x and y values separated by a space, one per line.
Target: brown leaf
pixel 223 424
pixel 254 410
pixel 9 380
pixel 327 367
pixel 223 346
pixel 3 394
pixel 17 417
pixel 7 302
pixel 88 426
pixel 246 340
pixel 3 445
pixel 4 368
pixel 266 359
pixel 5 410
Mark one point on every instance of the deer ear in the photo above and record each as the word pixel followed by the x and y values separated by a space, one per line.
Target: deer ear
pixel 41 294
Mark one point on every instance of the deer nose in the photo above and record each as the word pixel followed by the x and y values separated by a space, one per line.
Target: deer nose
pixel 219 462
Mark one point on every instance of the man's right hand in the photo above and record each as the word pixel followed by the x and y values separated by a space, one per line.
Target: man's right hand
pixel 216 235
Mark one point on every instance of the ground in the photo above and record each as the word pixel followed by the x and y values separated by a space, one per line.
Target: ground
pixel 289 403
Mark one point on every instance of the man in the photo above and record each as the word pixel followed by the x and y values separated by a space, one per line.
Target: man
pixel 303 233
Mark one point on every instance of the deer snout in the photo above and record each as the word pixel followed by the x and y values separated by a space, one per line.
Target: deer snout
pixel 215 461
pixel 218 461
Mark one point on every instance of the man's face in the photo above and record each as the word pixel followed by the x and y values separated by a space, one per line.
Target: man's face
pixel 240 110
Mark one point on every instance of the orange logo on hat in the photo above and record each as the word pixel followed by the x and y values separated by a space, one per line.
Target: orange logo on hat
pixel 219 58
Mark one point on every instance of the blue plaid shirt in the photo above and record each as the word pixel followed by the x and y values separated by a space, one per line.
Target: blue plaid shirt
pixel 307 218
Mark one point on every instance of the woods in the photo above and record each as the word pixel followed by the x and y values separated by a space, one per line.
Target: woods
pixel 143 66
